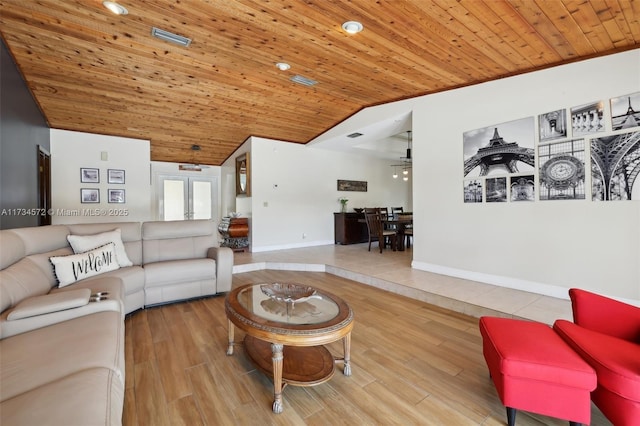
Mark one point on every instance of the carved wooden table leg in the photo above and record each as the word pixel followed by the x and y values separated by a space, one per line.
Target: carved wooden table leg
pixel 277 359
pixel 346 341
pixel 230 348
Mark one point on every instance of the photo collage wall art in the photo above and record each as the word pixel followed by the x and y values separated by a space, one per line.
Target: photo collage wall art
pixel 547 158
pixel 92 176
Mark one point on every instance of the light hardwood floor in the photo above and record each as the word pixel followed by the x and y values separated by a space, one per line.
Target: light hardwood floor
pixel 412 364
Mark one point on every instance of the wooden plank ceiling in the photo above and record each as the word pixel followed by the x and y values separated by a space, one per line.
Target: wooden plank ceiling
pixel 93 71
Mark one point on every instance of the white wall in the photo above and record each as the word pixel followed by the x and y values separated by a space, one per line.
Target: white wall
pixel 294 192
pixel 542 246
pixel 71 151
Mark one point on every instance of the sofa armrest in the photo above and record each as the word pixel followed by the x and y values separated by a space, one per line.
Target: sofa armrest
pixel 224 267
pixel 605 315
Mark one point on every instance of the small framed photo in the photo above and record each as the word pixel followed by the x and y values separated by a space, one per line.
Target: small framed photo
pixel 115 176
pixel 89 175
pixel 89 195
pixel 116 196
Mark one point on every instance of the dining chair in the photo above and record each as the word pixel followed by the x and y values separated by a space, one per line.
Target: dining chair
pixel 395 210
pixel 408 232
pixel 378 233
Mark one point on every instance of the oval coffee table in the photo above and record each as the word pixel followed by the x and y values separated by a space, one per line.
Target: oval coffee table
pixel 284 338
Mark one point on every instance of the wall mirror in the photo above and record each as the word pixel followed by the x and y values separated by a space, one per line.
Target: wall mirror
pixel 243 175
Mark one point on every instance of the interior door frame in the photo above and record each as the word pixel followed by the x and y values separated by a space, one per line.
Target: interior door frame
pixel 44 186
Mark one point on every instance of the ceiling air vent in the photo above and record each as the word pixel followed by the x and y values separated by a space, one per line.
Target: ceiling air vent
pixel 170 37
pixel 303 80
pixel 354 135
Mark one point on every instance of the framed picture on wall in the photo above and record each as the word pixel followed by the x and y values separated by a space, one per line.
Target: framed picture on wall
pixel 243 175
pixel 115 176
pixel 89 175
pixel 89 195
pixel 116 196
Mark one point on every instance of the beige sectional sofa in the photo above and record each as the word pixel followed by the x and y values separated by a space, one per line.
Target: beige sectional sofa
pixel 62 348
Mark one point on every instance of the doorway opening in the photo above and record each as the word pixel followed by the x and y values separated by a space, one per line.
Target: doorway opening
pixel 44 186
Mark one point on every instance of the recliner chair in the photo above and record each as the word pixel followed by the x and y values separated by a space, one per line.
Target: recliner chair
pixel 606 334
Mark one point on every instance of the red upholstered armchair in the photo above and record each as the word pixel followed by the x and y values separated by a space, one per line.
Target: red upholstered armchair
pixel 606 334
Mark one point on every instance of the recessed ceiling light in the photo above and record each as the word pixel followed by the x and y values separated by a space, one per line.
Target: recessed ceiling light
pixel 352 27
pixel 283 66
pixel 115 7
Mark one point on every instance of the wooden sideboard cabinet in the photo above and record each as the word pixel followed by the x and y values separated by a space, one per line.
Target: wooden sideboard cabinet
pixel 350 228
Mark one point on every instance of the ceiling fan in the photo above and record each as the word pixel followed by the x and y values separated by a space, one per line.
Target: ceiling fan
pixel 193 167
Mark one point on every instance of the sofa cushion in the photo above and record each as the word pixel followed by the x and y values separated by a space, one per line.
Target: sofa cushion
pixel 89 397
pixel 40 239
pixel 132 279
pixel 189 239
pixel 21 280
pixel 616 361
pixel 83 243
pixel 69 269
pixel 45 355
pixel 159 274
pixel 12 248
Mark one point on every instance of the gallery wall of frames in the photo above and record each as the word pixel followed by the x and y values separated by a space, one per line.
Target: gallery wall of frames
pixel 92 176
pixel 584 152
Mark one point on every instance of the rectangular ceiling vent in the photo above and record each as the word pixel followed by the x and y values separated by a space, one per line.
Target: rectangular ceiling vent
pixel 170 37
pixel 303 80
pixel 354 135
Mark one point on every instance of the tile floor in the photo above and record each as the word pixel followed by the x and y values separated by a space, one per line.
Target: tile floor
pixel 392 271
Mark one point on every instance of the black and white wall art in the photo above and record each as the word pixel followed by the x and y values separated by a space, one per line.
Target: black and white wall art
pixel 552 125
pixel 562 170
pixel 587 119
pixel 500 149
pixel 496 190
pixel 473 189
pixel 523 188
pixel 615 166
pixel 625 111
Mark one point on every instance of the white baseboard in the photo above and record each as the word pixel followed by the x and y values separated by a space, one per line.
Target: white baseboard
pixel 257 249
pixel 497 280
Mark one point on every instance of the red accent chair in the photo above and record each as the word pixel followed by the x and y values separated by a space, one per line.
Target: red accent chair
pixel 534 370
pixel 606 334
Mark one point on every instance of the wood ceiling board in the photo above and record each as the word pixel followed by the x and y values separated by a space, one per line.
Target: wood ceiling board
pixel 90 70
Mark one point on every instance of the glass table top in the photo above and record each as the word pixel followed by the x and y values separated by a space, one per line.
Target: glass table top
pixel 288 304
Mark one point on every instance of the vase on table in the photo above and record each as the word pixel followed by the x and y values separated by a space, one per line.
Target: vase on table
pixel 343 207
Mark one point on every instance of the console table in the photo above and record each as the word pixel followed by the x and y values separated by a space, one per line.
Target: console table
pixel 350 228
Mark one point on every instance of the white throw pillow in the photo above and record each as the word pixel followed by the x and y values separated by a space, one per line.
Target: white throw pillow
pixel 84 243
pixel 75 267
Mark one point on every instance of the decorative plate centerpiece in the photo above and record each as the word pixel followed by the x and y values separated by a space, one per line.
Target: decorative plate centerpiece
pixel 288 292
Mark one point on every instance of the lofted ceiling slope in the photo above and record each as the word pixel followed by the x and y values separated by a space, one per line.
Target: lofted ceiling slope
pixel 92 71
